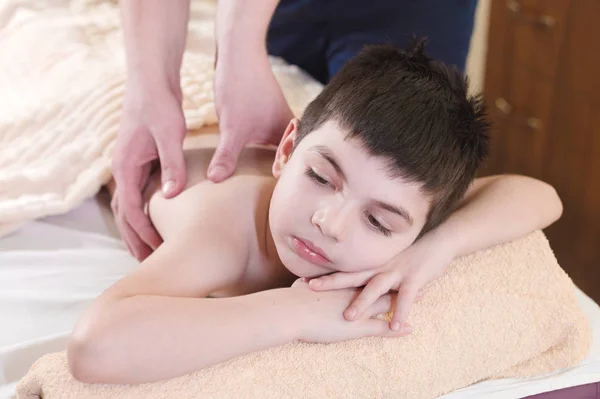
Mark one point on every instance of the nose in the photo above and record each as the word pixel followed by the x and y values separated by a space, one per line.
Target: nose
pixel 332 219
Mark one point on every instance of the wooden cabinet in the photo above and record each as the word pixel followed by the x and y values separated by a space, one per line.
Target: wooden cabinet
pixel 542 89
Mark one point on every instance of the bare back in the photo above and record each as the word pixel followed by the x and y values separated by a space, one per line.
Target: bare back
pixel 239 204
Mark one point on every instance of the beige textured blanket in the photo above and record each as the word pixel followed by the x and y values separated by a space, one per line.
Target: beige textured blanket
pixel 62 80
pixel 510 311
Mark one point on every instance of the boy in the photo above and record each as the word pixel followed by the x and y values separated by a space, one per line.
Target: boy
pixel 383 156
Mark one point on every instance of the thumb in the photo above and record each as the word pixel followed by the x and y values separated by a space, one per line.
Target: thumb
pixel 225 158
pixel 172 164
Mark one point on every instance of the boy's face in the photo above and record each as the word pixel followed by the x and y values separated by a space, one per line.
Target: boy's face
pixel 335 208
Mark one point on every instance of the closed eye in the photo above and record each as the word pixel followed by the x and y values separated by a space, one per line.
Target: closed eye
pixel 375 224
pixel 316 178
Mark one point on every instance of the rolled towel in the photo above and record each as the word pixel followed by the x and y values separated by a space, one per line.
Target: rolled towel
pixel 509 311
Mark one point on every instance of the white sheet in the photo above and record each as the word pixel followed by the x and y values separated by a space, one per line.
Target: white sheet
pixel 51 269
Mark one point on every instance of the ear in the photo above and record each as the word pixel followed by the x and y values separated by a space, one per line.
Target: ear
pixel 286 145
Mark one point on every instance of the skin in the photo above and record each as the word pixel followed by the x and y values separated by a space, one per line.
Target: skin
pixel 248 99
pixel 222 283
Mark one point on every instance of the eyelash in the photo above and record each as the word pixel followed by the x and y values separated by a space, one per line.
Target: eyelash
pixel 377 225
pixel 316 178
pixel 371 220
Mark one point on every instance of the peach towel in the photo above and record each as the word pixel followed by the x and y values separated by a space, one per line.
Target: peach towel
pixel 509 311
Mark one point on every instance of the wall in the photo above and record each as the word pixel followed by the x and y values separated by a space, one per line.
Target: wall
pixel 478 50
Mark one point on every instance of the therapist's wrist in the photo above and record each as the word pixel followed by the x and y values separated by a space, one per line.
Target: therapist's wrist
pixel 239 48
pixel 153 83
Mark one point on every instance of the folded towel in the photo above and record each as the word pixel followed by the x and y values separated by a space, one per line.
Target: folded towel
pixel 509 311
pixel 62 80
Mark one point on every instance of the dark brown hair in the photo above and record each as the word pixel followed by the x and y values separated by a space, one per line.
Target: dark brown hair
pixel 414 112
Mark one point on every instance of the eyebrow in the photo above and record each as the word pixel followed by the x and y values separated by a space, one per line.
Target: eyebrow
pixel 399 211
pixel 326 153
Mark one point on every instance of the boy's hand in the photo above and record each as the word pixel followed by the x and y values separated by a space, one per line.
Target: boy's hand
pixel 322 320
pixel 407 272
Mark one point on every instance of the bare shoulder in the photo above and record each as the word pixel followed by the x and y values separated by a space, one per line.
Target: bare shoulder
pixel 209 232
pixel 206 205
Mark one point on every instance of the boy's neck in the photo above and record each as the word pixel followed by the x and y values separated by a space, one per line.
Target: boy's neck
pixel 270 250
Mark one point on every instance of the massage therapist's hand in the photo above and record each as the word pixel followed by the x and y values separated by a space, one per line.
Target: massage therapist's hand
pixel 250 106
pixel 152 127
pixel 322 320
pixel 407 273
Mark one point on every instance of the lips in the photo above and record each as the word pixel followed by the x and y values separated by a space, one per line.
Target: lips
pixel 310 252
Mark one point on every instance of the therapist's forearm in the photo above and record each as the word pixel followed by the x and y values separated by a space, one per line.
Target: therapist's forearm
pixel 150 338
pixel 155 32
pixel 505 209
pixel 241 27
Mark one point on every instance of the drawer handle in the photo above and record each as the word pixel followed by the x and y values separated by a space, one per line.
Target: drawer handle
pixel 546 21
pixel 505 108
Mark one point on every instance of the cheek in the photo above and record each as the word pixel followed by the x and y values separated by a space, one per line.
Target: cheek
pixel 296 190
pixel 287 202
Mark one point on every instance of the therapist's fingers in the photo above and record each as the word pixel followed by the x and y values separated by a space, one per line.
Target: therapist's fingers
pixel 225 158
pixel 138 247
pixel 172 161
pixel 137 243
pixel 139 232
pixel 132 241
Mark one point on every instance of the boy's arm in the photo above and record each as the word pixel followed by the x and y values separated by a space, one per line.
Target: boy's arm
pixel 498 209
pixel 156 324
pixel 144 329
pixel 495 210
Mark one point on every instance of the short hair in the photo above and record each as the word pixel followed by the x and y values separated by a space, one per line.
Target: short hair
pixel 414 112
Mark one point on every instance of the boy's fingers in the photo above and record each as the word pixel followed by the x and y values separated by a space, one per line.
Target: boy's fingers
pixel 299 282
pixel 340 280
pixel 380 328
pixel 420 295
pixel 404 302
pixel 382 305
pixel 377 287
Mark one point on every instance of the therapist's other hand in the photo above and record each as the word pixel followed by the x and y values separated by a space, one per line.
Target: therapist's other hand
pixel 251 108
pixel 152 127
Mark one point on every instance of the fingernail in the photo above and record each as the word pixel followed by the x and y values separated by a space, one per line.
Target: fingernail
pixel 351 312
pixel 316 283
pixel 396 326
pixel 216 172
pixel 168 186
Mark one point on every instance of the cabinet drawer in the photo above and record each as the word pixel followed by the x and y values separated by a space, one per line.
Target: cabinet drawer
pixel 528 34
pixel 520 114
pixel 579 58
